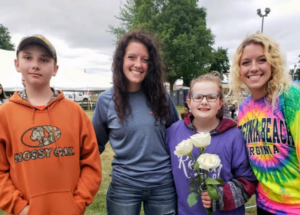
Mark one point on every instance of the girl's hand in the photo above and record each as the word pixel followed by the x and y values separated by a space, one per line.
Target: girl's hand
pixel 24 211
pixel 206 200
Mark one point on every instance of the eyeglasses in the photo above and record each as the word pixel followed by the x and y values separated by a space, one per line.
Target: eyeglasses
pixel 209 97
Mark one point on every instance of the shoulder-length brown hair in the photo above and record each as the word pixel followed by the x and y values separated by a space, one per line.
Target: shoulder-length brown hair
pixel 2 94
pixel 152 85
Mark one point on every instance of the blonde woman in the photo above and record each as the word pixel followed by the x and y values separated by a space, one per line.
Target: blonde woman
pixel 270 122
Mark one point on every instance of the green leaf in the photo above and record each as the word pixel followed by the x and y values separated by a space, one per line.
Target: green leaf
pixel 192 199
pixel 192 187
pixel 208 211
pixel 198 179
pixel 212 181
pixel 221 180
pixel 196 166
pixel 212 192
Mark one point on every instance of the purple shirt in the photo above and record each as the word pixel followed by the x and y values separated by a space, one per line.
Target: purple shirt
pixel 228 145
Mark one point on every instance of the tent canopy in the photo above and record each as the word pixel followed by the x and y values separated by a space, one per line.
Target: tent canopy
pixel 67 78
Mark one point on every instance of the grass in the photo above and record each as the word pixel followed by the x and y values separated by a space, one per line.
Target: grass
pixel 179 109
pixel 99 204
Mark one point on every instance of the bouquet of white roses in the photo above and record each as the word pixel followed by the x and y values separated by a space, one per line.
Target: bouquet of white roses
pixel 202 165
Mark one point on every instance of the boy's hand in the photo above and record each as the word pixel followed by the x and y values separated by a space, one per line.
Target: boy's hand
pixel 206 200
pixel 24 211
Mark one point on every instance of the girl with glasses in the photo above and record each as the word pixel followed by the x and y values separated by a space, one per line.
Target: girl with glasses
pixel 206 116
pixel 270 121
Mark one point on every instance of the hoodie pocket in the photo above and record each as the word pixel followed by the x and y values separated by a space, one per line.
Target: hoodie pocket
pixel 54 203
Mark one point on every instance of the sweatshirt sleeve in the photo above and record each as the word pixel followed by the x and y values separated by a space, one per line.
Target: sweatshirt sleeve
pixel 100 123
pixel 239 189
pixel 291 111
pixel 235 193
pixel 90 164
pixel 174 117
pixel 11 200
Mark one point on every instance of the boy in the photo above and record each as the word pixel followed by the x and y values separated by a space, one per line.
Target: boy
pixel 49 160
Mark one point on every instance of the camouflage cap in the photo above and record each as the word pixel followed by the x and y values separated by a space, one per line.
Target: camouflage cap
pixel 40 39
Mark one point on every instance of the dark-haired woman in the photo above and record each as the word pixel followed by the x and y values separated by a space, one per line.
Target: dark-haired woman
pixel 3 98
pixel 133 116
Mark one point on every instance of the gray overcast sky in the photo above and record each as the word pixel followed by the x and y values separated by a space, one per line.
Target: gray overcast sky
pixel 78 29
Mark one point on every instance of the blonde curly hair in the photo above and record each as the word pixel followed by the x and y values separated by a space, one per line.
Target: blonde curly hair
pixel 280 79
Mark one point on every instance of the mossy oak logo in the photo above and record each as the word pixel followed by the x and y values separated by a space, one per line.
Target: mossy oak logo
pixel 40 136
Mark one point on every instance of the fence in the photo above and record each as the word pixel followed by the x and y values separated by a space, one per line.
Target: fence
pixel 89 105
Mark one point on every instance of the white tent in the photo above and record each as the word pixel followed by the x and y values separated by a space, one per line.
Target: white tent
pixel 10 79
pixel 67 78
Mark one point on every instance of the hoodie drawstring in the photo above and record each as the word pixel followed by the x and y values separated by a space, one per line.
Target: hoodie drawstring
pixel 32 120
pixel 56 142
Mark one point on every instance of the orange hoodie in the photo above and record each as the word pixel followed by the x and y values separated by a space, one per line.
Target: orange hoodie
pixel 49 158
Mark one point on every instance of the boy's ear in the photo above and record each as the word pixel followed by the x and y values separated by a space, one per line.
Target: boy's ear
pixel 17 65
pixel 55 70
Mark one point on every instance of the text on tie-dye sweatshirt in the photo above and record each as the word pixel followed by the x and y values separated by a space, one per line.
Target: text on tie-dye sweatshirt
pixel 273 142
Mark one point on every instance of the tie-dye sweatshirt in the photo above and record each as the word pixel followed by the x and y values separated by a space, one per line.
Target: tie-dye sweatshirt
pixel 273 142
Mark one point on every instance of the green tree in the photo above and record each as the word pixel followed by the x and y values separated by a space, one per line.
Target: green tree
pixel 187 42
pixel 5 38
pixel 181 25
pixel 221 61
pixel 137 14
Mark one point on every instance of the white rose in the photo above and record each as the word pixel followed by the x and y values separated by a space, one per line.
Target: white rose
pixel 183 148
pixel 208 161
pixel 201 140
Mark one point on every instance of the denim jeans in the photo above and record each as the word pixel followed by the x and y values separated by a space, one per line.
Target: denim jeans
pixel 127 201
